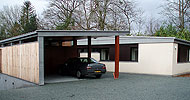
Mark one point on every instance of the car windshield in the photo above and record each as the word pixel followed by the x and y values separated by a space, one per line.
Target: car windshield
pixel 88 60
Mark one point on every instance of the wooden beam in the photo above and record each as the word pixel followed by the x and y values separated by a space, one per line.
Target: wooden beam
pixel 89 46
pixel 116 73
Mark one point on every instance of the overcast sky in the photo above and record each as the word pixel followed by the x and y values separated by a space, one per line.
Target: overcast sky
pixel 150 7
pixel 39 5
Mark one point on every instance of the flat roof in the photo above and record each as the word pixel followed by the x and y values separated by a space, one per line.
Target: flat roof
pixel 57 33
pixel 134 40
pixel 79 33
pixel 19 37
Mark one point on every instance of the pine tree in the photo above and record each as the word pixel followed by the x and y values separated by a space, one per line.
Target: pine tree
pixel 28 19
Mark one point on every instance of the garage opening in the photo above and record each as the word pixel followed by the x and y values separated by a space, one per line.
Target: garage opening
pixel 57 50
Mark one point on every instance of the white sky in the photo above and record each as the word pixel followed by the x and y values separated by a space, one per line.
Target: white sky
pixel 150 7
pixel 39 5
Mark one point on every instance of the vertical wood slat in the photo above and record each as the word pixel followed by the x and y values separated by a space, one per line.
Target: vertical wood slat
pixel 22 61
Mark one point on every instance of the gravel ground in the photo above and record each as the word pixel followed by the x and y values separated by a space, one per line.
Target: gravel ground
pixel 127 87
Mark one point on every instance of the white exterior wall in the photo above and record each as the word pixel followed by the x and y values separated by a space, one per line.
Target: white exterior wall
pixel 179 68
pixel 157 58
pixel 153 59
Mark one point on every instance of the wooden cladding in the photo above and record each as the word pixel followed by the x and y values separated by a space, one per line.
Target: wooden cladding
pixel 22 61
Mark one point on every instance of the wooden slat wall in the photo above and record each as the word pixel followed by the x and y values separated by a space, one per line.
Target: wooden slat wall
pixel 22 61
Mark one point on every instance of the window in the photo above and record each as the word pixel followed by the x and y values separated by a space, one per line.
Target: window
pixel 134 54
pixel 67 43
pixel 183 53
pixel 104 54
pixel 88 60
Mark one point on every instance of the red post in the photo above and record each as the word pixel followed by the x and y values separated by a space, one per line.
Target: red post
pixel 89 46
pixel 116 73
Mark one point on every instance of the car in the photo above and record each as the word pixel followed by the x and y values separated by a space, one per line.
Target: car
pixel 81 67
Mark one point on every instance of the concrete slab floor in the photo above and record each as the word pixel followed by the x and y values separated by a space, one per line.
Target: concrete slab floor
pixel 59 78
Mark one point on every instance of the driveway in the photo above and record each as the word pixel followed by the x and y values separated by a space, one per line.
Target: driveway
pixel 127 87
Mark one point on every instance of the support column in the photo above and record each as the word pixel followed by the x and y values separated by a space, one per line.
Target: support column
pixel 89 46
pixel 41 60
pixel 116 73
pixel 20 42
pixel 75 47
pixel 74 42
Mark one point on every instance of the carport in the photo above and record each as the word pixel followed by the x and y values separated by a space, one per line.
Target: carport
pixel 53 47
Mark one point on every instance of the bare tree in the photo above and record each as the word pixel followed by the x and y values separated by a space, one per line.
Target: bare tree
pixel 92 14
pixel 102 7
pixel 60 13
pixel 178 12
pixel 9 20
pixel 139 24
pixel 152 26
pixel 130 11
pixel 85 15
pixel 96 14
pixel 10 15
pixel 117 14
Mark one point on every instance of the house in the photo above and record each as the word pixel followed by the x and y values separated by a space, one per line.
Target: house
pixel 142 55
pixel 36 55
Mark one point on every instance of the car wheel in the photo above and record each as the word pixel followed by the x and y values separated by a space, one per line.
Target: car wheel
pixel 79 74
pixel 98 76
